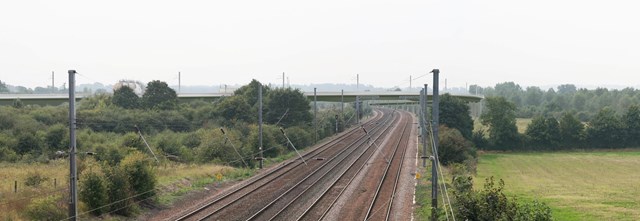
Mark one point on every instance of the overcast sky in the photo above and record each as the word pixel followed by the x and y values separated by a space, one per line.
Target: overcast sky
pixel 484 42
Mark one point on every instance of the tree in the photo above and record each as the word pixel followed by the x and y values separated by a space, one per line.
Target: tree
pixel 159 95
pixel 553 132
pixel 126 98
pixel 631 121
pixel 500 116
pixel 454 113
pixel 55 136
pixel 605 129
pixel 250 92
pixel 567 89
pixel 537 132
pixel 453 147
pixel 533 96
pixel 93 191
pixel 3 87
pixel 140 175
pixel 571 130
pixel 233 109
pixel 282 99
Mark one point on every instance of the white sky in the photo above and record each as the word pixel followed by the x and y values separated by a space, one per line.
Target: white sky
pixel 230 42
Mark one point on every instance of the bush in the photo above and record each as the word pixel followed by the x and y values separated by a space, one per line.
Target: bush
pixel 35 179
pixel 48 208
pixel 453 147
pixel 140 175
pixel 119 192
pixel 93 191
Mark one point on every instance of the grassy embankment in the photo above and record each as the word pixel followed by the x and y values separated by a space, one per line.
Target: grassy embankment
pixel 174 180
pixel 599 185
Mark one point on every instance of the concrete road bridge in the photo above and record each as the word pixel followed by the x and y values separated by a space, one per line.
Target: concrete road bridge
pixel 391 96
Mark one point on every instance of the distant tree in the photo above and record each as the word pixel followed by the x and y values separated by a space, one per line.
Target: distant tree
pixel 501 118
pixel 454 113
pixel 567 89
pixel 553 132
pixel 475 89
pixel 605 129
pixel 3 87
pixel 511 91
pixel 571 130
pixel 28 142
pixel 126 98
pixel 533 96
pixel 631 121
pixel 159 95
pixel 233 109
pixel 282 99
pixel 537 132
pixel 250 92
pixel 55 136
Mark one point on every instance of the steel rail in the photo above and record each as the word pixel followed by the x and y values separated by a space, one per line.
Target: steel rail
pixel 403 137
pixel 323 176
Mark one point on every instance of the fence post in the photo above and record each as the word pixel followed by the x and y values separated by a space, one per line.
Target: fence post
pixel 15 186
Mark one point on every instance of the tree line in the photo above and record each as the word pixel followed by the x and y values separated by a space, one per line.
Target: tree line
pixel 585 103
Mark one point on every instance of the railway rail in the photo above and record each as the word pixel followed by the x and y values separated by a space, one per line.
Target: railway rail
pixel 295 191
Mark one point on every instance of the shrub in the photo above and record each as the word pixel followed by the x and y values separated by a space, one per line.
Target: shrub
pixel 93 191
pixel 47 208
pixel 453 147
pixel 140 175
pixel 119 192
pixel 35 179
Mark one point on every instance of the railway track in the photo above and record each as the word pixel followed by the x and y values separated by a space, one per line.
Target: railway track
pixel 294 191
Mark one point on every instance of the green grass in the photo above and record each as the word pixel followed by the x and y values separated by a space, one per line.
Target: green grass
pixel 599 185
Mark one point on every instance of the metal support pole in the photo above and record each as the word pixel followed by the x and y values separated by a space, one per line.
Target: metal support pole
pixel 336 123
pixel 282 79
pixel 179 82
pixel 315 112
pixel 423 125
pixel 260 123
pixel 53 83
pixel 357 109
pixel 435 114
pixel 434 189
pixel 73 173
pixel 342 103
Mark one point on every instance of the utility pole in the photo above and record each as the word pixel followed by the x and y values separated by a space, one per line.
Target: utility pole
pixel 179 82
pixel 423 115
pixel 315 112
pixel 357 109
pixel 342 103
pixel 435 114
pixel 73 173
pixel 357 82
pixel 410 82
pixel 53 85
pixel 260 123
pixel 282 79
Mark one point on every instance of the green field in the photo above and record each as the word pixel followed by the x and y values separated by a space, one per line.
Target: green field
pixel 576 185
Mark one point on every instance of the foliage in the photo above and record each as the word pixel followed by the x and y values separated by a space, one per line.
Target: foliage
pixel 47 208
pixel 28 143
pixel 250 92
pixel 631 121
pixel 454 113
pixel 289 101
pixel 491 203
pixel 140 174
pixel 119 191
pixel 159 96
pixel 3 87
pixel 35 179
pixel 93 190
pixel 57 137
pixel 233 109
pixel 605 129
pixel 571 130
pixel 126 98
pixel 453 147
pixel 500 116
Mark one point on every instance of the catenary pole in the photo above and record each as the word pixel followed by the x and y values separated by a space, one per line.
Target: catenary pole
pixel 260 123
pixel 73 173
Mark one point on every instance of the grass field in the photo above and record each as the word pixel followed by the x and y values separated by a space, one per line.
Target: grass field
pixel 576 185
